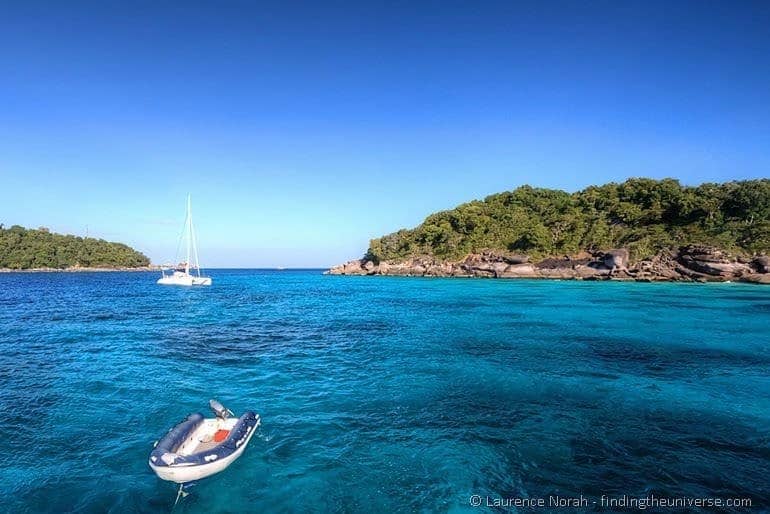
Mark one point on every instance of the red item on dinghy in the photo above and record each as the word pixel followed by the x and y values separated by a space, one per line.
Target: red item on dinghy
pixel 221 435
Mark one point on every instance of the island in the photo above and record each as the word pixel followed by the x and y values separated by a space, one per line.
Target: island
pixel 23 249
pixel 641 229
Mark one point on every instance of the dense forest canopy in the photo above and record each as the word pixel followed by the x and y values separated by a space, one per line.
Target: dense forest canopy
pixel 22 248
pixel 643 215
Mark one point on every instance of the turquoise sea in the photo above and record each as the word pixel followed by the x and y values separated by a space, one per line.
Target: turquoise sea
pixel 382 394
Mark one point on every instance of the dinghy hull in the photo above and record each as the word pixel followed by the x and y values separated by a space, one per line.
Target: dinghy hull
pixel 182 468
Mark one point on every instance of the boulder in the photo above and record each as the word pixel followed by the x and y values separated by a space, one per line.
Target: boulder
pixel 761 264
pixel 589 271
pixel 687 273
pixel 703 253
pixel 417 270
pixel 724 269
pixel 566 262
pixel 354 267
pixel 551 263
pixel 756 278
pixel 711 261
pixel 486 267
pixel 399 270
pixel 562 273
pixel 337 270
pixel 498 268
pixel 516 259
pixel 615 259
pixel 518 270
pixel 659 267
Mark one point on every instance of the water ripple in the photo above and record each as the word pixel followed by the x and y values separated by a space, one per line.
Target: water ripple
pixel 382 394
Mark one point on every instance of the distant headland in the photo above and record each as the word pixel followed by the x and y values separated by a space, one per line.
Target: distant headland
pixel 23 249
pixel 641 229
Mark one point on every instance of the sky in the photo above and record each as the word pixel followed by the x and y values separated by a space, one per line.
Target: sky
pixel 304 129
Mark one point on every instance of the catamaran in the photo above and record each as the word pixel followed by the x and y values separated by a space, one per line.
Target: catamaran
pixel 180 274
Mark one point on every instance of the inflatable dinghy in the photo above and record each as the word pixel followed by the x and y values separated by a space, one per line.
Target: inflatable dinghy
pixel 199 447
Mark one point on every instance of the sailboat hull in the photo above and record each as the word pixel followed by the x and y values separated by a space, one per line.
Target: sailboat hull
pixel 185 280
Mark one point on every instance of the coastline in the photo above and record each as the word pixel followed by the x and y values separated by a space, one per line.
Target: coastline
pixel 79 269
pixel 691 263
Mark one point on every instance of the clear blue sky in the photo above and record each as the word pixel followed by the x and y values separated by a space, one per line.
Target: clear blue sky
pixel 304 129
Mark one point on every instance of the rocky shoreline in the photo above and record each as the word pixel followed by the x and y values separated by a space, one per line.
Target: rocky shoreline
pixel 691 263
pixel 79 269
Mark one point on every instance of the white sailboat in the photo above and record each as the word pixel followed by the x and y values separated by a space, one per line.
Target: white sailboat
pixel 180 275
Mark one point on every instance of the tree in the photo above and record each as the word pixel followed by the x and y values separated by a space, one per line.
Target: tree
pixel 642 214
pixel 21 249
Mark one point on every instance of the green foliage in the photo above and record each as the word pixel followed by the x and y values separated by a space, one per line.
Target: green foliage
pixel 644 215
pixel 22 248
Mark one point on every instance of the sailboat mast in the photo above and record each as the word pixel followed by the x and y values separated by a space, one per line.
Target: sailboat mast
pixel 194 246
pixel 189 235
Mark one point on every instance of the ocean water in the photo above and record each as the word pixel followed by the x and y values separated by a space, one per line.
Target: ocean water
pixel 381 394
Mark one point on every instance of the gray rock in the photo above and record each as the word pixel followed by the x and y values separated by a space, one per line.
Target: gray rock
pixel 709 262
pixel 703 253
pixel 588 271
pixel 756 278
pixel 761 264
pixel 615 259
pixel 693 262
pixel 725 269
pixel 516 259
pixel 518 270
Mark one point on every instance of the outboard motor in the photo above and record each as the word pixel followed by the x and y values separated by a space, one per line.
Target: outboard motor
pixel 220 410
